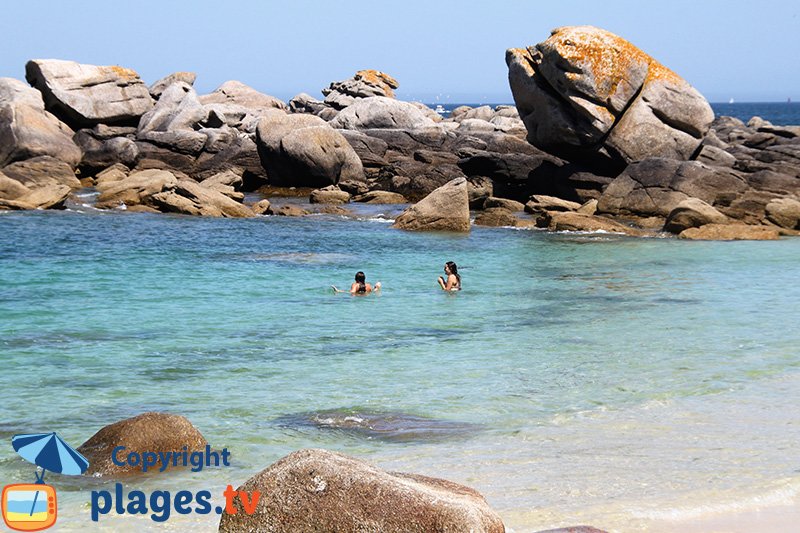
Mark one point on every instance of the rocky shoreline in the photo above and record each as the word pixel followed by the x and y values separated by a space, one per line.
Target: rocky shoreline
pixel 602 138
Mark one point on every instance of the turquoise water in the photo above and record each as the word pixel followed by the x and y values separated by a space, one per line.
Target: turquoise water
pixel 571 377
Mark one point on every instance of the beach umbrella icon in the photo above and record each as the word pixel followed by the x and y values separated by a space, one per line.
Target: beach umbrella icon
pixel 49 452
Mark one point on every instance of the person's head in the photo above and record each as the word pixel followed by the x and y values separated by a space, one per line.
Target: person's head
pixel 451 268
pixel 360 277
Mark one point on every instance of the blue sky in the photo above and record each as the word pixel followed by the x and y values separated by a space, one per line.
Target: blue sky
pixel 450 50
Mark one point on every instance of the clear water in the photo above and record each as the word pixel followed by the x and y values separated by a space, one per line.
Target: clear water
pixel 577 378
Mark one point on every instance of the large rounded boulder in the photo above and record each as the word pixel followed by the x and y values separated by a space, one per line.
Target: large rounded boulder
pixel 303 150
pixel 147 432
pixel 86 95
pixel 587 94
pixel 317 490
pixel 445 209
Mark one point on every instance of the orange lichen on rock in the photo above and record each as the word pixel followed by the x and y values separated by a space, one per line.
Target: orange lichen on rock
pixel 122 72
pixel 379 79
pixel 608 57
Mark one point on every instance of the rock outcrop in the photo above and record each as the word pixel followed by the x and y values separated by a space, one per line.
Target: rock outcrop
pixel 654 187
pixel 501 217
pixel 42 171
pixel 692 213
pixel 381 197
pixel 381 112
pixel 318 490
pixel 572 221
pixel 586 94
pixel 237 93
pixel 15 195
pixel 191 198
pixel 162 191
pixel 28 131
pixel 445 209
pixel 147 432
pixel 364 84
pixel 731 232
pixel 329 195
pixel 161 85
pixel 86 95
pixel 134 189
pixel 302 150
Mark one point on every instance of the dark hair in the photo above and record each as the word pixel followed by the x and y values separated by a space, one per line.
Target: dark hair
pixel 361 279
pixel 453 268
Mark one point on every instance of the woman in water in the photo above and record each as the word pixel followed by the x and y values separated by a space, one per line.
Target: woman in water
pixel 360 285
pixel 453 281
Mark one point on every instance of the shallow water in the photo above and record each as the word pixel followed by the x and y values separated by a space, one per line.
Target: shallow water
pixel 577 378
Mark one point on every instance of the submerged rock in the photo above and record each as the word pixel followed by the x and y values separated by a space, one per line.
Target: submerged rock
pixel 587 94
pixel 147 432
pixel 318 490
pixel 382 426
pixel 445 209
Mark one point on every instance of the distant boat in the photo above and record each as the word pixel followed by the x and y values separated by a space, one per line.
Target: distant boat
pixel 439 109
pixel 731 101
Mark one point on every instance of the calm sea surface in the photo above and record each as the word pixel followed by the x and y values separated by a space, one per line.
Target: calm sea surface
pixel 779 113
pixel 577 378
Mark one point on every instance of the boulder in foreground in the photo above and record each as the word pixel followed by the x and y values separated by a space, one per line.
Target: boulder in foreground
pixel 147 432
pixel 445 209
pixel 317 490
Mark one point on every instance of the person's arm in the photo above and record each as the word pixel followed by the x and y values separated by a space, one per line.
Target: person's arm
pixel 451 282
pixel 440 279
pixel 354 288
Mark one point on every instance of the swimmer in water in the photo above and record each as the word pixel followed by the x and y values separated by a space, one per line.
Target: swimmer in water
pixel 360 286
pixel 453 281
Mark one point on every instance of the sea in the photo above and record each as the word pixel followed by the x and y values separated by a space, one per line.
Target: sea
pixel 779 113
pixel 576 378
